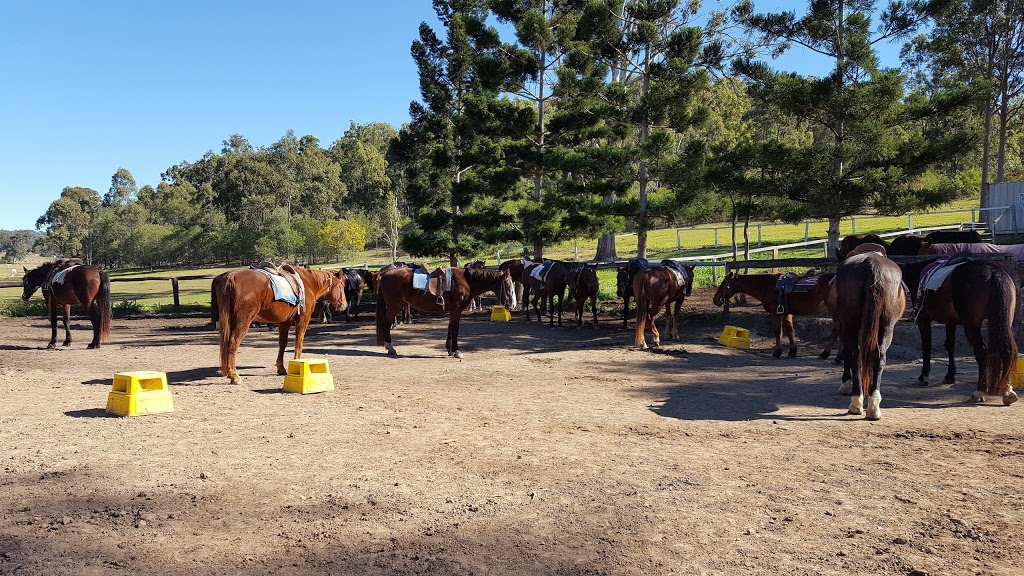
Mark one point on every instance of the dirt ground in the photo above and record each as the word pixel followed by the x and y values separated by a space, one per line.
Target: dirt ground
pixel 550 451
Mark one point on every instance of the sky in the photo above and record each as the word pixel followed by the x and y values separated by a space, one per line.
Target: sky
pixel 87 88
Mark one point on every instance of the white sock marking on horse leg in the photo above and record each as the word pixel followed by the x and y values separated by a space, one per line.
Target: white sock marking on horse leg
pixel 857 404
pixel 1010 397
pixel 978 396
pixel 873 410
pixel 846 388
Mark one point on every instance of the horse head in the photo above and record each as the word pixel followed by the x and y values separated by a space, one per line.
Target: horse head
pixel 622 281
pixel 507 293
pixel 689 278
pixel 33 279
pixel 725 290
pixel 336 291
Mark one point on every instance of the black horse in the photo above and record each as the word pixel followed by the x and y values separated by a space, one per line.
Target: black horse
pixel 624 283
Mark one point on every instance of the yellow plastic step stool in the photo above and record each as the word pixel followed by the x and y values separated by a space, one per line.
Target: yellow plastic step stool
pixel 1017 377
pixel 735 337
pixel 308 377
pixel 139 393
pixel 501 314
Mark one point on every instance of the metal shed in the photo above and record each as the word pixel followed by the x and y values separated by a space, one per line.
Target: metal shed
pixel 1004 194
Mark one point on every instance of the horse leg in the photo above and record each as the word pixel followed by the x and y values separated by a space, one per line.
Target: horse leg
pixel 94 318
pixel 655 335
pixel 282 341
pixel 873 408
pixel 831 341
pixel 239 327
pixel 789 332
pixel 301 325
pixel 51 307
pixel 453 333
pixel 67 328
pixel 777 329
pixel 593 305
pixel 848 351
pixel 625 310
pixel 973 334
pixel 561 295
pixel 951 350
pixel 924 324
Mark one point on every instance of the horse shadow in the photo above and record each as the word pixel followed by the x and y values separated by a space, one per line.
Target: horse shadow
pixel 180 377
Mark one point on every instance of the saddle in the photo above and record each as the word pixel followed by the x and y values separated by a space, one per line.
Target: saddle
pixel 540 272
pixel 682 274
pixel 59 271
pixel 791 282
pixel 435 281
pixel 289 274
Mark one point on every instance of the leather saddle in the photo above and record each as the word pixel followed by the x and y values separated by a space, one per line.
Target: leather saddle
pixel 789 283
pixel 59 266
pixel 437 281
pixel 290 274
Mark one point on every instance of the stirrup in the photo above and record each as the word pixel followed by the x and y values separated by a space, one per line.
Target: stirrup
pixel 780 310
pixel 440 301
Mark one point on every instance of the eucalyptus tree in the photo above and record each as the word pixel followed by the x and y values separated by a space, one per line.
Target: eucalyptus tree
pixel 454 147
pixel 978 43
pixel 868 150
pixel 67 222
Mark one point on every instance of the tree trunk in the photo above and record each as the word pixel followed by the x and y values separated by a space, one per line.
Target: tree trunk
pixel 1004 117
pixel 606 248
pixel 735 218
pixel 833 234
pixel 986 154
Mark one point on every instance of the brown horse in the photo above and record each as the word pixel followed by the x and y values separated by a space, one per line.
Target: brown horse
pixel 624 283
pixel 655 288
pixel 975 291
pixel 242 296
pixel 354 285
pixel 583 284
pixel 83 285
pixel 515 268
pixel 395 291
pixel 853 240
pixel 554 284
pixel 871 301
pixel 763 288
pixel 477 264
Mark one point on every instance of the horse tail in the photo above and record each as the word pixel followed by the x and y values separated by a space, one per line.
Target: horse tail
pixel 871 325
pixel 642 302
pixel 1002 348
pixel 225 303
pixel 381 317
pixel 214 309
pixel 105 306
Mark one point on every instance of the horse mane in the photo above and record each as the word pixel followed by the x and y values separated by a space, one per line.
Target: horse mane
pixel 484 274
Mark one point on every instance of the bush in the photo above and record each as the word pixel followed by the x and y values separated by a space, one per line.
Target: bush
pixel 127 308
pixel 19 308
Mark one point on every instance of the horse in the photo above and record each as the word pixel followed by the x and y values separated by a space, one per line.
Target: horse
pixel 582 283
pixel 656 287
pixel 84 285
pixel 974 291
pixel 554 284
pixel 871 300
pixel 851 241
pixel 906 244
pixel 354 284
pixel 763 288
pixel 405 315
pixel 242 296
pixel 515 269
pixel 953 237
pixel 478 264
pixel 911 244
pixel 395 291
pixel 624 283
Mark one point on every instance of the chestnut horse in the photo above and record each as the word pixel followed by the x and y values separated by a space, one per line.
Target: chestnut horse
pixel 851 241
pixel 84 285
pixel 624 283
pixel 554 284
pixel 583 284
pixel 242 296
pixel 395 292
pixel 975 291
pixel 871 301
pixel 656 287
pixel 763 288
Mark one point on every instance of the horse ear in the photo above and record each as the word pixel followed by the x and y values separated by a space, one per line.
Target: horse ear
pixel 25 269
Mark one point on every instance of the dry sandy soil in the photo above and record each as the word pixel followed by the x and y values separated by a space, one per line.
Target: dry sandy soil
pixel 552 451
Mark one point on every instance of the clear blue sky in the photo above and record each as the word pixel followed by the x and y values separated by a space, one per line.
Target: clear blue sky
pixel 90 87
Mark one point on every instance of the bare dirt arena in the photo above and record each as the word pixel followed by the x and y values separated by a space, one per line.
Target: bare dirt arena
pixel 544 451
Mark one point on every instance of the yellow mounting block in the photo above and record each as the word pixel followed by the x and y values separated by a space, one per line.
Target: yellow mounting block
pixel 139 393
pixel 501 314
pixel 308 376
pixel 735 337
pixel 1017 377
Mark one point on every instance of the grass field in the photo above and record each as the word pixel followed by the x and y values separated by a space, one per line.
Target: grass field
pixel 156 295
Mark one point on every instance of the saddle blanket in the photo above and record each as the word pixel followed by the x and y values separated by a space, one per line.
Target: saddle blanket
pixel 58 278
pixel 934 274
pixel 282 290
pixel 802 284
pixel 541 272
pixel 421 281
pixel 682 278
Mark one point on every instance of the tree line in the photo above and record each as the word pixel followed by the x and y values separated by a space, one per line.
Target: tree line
pixel 590 117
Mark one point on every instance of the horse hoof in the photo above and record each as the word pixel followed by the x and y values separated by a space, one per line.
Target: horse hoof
pixel 392 352
pixel 846 388
pixel 824 355
pixel 282 372
pixel 777 354
pixel 792 353
pixel 89 347
pixel 1009 398
pixel 977 397
pixel 838 360
pixel 922 381
pixel 457 354
pixel 949 380
pixel 51 346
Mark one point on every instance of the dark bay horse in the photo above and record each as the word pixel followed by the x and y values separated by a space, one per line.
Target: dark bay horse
pixel 395 291
pixel 477 264
pixel 83 285
pixel 544 292
pixel 515 268
pixel 871 301
pixel 242 296
pixel 583 285
pixel 354 285
pixel 975 291
pixel 658 287
pixel 851 241
pixel 763 288
pixel 624 283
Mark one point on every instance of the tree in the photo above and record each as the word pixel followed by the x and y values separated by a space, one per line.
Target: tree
pixel 341 236
pixel 67 222
pixel 868 149
pixel 16 244
pixel 455 145
pixel 978 43
pixel 122 189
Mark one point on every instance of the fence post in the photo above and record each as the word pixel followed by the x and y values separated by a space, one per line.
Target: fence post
pixel 972 219
pixel 825 247
pixel 716 238
pixel 679 242
pixel 174 289
pixel 853 225
pixel 575 250
pixel 714 273
pixel 758 235
pixel 910 221
pixel 807 231
pixel 497 256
